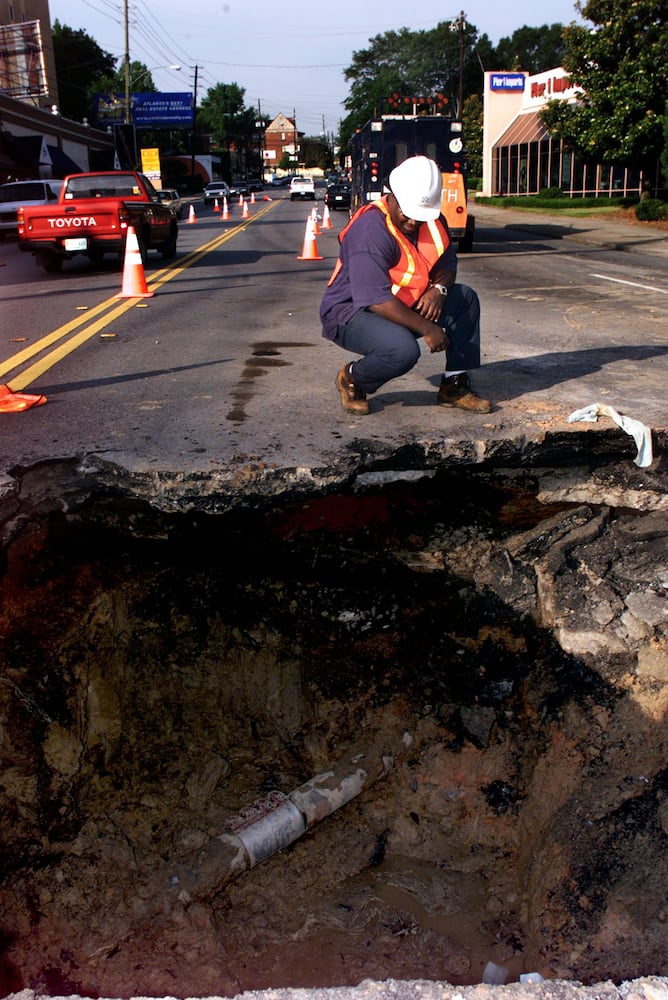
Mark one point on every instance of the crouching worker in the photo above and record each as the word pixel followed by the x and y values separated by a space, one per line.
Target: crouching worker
pixel 394 283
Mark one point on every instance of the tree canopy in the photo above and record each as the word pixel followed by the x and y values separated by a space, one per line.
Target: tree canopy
pixel 223 114
pixel 531 49
pixel 620 65
pixel 400 65
pixel 78 57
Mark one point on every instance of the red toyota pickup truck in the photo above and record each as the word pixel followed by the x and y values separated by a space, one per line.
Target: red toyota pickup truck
pixel 92 216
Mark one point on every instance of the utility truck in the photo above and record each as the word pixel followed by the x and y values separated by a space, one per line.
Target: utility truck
pixel 385 142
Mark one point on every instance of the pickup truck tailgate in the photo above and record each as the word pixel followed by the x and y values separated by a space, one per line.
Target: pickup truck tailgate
pixel 46 224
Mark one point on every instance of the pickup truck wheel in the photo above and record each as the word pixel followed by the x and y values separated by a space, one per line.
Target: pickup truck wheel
pixel 50 263
pixel 168 248
pixel 143 248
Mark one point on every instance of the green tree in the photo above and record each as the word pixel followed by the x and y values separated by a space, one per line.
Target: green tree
pixel 531 49
pixel 223 114
pixel 315 152
pixel 141 80
pixel 78 58
pixel 472 124
pixel 620 65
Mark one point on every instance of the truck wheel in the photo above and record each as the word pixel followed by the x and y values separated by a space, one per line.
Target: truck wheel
pixel 466 241
pixel 143 248
pixel 168 248
pixel 50 263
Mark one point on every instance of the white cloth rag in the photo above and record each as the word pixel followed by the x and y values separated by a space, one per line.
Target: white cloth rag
pixel 640 433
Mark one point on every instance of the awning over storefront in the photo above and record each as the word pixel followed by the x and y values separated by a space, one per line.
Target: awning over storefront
pixel 527 127
pixel 62 164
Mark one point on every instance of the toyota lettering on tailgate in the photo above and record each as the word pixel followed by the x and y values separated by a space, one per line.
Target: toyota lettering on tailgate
pixel 72 222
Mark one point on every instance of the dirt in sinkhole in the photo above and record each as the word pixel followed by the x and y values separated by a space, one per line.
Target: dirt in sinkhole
pixel 162 672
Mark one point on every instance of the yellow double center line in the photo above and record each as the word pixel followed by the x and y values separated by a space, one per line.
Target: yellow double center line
pixel 107 311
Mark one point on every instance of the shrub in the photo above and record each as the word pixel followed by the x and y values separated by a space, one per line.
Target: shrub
pixel 553 192
pixel 651 210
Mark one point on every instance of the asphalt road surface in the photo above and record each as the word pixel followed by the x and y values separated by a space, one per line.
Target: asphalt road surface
pixel 225 363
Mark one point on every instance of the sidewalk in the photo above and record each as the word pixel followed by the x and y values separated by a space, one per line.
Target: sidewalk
pixel 607 233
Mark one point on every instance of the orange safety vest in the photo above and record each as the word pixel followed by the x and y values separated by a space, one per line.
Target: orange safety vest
pixel 410 275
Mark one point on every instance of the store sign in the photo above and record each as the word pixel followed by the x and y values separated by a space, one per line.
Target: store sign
pixel 509 82
pixel 554 86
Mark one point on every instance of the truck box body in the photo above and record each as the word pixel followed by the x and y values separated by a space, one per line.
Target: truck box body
pixel 383 143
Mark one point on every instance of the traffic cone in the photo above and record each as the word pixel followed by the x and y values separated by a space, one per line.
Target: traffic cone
pixel 15 402
pixel 216 206
pixel 252 197
pixel 314 219
pixel 134 281
pixel 310 247
pixel 191 215
pixel 245 214
pixel 226 210
pixel 241 199
pixel 326 220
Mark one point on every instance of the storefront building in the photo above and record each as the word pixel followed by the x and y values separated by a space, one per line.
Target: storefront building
pixel 521 157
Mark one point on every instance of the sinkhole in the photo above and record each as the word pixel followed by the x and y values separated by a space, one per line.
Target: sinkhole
pixel 412 729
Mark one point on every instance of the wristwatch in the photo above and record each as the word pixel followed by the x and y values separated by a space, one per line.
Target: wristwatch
pixel 442 289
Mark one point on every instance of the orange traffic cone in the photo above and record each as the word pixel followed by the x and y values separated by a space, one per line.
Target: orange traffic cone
pixel 216 206
pixel 326 220
pixel 314 219
pixel 191 214
pixel 134 281
pixel 245 214
pixel 226 210
pixel 310 247
pixel 241 199
pixel 265 197
pixel 15 402
pixel 252 197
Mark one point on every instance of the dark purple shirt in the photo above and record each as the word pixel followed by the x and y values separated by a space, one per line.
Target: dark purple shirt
pixel 367 253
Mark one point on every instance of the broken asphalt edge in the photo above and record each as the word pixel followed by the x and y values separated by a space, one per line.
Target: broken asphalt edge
pixel 644 988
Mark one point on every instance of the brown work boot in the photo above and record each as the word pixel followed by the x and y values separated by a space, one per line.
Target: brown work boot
pixel 457 391
pixel 352 399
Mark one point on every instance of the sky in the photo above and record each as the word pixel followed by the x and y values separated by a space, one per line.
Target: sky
pixel 288 57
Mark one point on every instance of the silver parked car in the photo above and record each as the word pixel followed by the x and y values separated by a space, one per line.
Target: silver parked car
pixel 18 193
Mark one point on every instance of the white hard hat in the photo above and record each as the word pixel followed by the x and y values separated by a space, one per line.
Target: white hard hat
pixel 418 187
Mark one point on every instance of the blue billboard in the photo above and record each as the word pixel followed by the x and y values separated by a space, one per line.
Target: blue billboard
pixel 146 110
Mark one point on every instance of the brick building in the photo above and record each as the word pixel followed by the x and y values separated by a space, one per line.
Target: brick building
pixel 281 137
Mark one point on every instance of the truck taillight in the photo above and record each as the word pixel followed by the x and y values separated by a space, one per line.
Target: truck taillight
pixel 20 220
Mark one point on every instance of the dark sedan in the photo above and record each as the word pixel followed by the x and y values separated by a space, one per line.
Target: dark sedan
pixel 338 196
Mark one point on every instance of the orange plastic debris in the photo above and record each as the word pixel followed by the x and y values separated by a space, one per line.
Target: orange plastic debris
pixel 15 402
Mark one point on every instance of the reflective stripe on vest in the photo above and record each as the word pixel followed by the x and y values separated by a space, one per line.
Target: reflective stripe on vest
pixel 410 275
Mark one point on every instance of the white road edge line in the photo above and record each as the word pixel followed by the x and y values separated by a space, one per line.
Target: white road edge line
pixel 634 284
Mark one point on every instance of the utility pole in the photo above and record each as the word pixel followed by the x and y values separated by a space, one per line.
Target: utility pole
pixel 126 65
pixel 194 134
pixel 458 25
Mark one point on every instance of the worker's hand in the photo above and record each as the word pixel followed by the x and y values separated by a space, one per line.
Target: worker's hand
pixel 436 339
pixel 430 304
